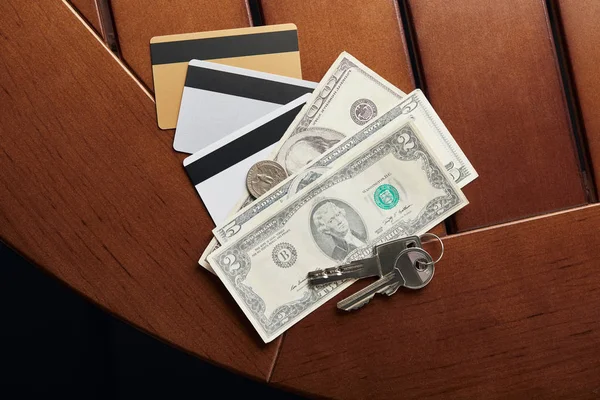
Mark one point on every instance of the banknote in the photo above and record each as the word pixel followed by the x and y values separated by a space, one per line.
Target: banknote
pixel 348 96
pixel 389 186
pixel 414 106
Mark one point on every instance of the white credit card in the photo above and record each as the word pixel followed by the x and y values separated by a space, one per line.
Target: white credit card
pixel 219 170
pixel 219 99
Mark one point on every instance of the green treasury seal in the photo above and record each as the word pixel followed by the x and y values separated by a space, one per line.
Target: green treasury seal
pixel 386 196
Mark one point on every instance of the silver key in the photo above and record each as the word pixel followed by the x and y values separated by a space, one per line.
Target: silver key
pixel 379 265
pixel 413 269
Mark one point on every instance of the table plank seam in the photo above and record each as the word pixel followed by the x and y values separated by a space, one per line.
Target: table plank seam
pixel 571 99
pixel 255 13
pixel 523 220
pixel 568 100
pixel 121 62
pixel 275 357
pixel 411 53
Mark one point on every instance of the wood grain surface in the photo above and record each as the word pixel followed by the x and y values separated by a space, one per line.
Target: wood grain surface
pixel 87 8
pixel 512 312
pixel 580 19
pixel 371 32
pixel 92 191
pixel 137 21
pixel 490 71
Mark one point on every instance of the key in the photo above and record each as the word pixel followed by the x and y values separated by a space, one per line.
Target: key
pixel 413 269
pixel 379 265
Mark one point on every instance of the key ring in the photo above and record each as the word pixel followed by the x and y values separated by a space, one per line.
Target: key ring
pixel 429 234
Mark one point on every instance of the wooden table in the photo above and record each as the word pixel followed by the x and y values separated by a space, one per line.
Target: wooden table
pixel 93 193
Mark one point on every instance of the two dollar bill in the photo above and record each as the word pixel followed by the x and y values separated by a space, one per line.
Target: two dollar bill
pixel 366 163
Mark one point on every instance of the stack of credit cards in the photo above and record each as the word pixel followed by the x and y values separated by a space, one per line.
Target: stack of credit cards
pixel 230 95
pixel 272 49
pixel 219 99
pixel 218 171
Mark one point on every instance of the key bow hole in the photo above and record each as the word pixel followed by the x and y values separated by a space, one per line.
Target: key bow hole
pixel 421 264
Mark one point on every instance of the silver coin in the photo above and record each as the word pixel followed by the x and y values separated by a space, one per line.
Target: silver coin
pixel 263 176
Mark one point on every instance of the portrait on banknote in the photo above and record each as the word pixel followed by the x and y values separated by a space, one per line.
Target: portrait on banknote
pixel 337 228
pixel 300 149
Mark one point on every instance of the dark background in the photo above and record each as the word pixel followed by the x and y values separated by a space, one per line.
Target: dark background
pixel 54 342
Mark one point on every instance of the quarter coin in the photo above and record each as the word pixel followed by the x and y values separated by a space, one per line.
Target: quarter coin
pixel 263 176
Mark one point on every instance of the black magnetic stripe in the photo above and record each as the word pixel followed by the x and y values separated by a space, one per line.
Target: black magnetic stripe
pixel 224 47
pixel 241 148
pixel 243 86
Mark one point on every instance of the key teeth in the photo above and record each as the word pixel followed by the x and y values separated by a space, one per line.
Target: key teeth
pixel 356 306
pixel 333 271
pixel 324 276
pixel 315 274
pixel 390 290
pixel 359 306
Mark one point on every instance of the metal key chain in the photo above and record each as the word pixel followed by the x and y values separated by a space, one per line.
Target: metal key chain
pixel 431 263
pixel 399 263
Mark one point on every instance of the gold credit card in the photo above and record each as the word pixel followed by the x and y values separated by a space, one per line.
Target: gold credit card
pixel 272 49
